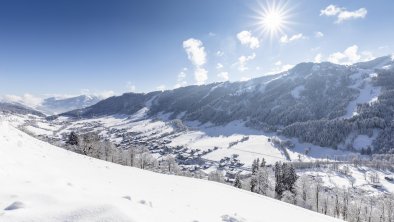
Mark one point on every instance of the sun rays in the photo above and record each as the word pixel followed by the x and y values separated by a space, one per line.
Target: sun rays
pixel 273 18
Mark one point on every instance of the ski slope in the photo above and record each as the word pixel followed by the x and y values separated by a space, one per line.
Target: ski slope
pixel 40 182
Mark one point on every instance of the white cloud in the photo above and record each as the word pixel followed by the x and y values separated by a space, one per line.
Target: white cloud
pixel 219 65
pixel 342 14
pixel 101 94
pixel 367 56
pixel 346 15
pixel 287 39
pixel 245 78
pixel 246 38
pixel 105 94
pixel 286 67
pixel 181 82
pixel 196 54
pixel 223 76
pixel 85 91
pixel 182 75
pixel 279 67
pixel 161 87
pixel 195 51
pixel 243 60
pixel 200 75
pixel 219 53
pixel 350 56
pixel 319 34
pixel 26 99
pixel 330 10
pixel 130 87
pixel 318 58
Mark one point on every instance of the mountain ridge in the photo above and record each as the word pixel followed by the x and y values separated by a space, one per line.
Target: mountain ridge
pixel 310 96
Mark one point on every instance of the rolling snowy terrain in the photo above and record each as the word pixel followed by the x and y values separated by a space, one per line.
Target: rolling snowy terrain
pixel 41 182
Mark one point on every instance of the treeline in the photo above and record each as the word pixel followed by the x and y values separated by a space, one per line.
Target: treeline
pixel 92 145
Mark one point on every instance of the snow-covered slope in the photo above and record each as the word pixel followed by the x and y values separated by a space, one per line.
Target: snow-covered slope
pixel 40 182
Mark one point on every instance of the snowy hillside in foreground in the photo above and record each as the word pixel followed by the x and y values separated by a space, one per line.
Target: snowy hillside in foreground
pixel 41 182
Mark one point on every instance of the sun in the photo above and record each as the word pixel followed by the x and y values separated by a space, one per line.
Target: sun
pixel 273 18
pixel 273 21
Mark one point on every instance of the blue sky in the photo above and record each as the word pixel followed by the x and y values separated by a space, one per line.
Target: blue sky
pixel 70 47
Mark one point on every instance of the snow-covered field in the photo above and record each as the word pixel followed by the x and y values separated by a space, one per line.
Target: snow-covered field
pixel 355 177
pixel 40 182
pixel 368 92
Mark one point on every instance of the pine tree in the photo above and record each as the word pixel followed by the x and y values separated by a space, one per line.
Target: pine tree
pixel 237 182
pixel 255 166
pixel 278 180
pixel 290 178
pixel 263 163
pixel 253 183
pixel 73 139
pixel 285 178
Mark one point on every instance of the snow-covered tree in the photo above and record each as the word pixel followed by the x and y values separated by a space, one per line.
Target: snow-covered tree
pixel 216 176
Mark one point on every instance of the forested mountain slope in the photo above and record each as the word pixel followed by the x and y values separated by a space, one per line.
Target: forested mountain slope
pixel 325 104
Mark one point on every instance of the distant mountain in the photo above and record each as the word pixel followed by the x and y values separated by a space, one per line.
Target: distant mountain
pixel 55 105
pixel 127 103
pixel 321 103
pixel 13 108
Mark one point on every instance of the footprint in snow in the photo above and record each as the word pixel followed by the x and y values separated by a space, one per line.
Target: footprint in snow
pixel 234 218
pixel 146 203
pixel 16 205
pixel 127 197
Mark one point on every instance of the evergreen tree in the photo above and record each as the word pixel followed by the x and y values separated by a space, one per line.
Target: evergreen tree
pixel 285 178
pixel 279 188
pixel 253 184
pixel 263 163
pixel 72 139
pixel 289 177
pixel 237 182
pixel 262 179
pixel 255 166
